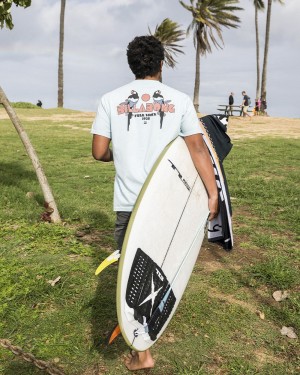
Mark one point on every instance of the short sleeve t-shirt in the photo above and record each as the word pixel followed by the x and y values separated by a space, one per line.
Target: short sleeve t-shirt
pixel 141 118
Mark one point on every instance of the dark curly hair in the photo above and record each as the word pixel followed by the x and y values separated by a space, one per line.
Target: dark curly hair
pixel 144 55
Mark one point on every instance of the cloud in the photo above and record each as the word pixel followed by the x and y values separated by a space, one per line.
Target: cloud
pixel 96 36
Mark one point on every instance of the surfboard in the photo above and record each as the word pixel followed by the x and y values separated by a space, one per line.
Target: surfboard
pixel 161 245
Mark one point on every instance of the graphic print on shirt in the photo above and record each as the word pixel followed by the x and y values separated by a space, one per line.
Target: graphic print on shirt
pixel 130 103
pixel 147 109
pixel 158 98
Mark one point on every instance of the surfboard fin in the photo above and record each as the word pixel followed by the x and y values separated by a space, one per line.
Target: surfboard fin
pixel 114 334
pixel 112 258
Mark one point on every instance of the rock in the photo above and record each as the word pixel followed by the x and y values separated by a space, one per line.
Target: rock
pixel 54 282
pixel 289 332
pixel 280 295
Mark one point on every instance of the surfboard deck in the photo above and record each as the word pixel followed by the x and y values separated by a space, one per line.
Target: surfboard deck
pixel 161 245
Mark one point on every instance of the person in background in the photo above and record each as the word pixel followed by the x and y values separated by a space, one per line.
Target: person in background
pixel 230 102
pixel 257 106
pixel 245 104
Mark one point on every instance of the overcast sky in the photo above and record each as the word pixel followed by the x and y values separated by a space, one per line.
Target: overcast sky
pixel 96 36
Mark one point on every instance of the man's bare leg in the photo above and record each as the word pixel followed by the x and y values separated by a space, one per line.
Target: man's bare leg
pixel 139 360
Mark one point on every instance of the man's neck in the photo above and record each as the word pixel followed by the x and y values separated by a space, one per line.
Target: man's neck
pixel 156 77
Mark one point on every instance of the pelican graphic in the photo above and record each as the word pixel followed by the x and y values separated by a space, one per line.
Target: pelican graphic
pixel 158 98
pixel 131 102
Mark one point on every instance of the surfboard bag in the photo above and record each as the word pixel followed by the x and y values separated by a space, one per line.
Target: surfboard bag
pixel 219 146
pixel 146 288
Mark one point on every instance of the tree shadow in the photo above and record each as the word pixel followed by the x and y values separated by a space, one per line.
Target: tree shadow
pixel 14 173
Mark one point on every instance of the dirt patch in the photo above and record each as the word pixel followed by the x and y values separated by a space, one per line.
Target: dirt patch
pixel 59 117
pixel 233 301
pixel 239 128
pixel 213 257
pixel 76 127
pixel 264 357
pixel 100 239
pixel 96 370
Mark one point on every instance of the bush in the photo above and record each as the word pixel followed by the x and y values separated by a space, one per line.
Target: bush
pixel 23 105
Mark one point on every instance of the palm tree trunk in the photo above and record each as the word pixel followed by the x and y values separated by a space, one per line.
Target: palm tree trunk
pixel 257 54
pixel 197 79
pixel 60 98
pixel 49 199
pixel 267 37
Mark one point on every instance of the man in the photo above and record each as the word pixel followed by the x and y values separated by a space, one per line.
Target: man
pixel 245 104
pixel 230 102
pixel 140 119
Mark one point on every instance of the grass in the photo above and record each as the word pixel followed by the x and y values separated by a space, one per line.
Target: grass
pixel 216 329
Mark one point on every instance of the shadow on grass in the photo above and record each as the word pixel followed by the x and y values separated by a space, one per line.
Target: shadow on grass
pixel 13 174
pixel 103 305
pixel 17 366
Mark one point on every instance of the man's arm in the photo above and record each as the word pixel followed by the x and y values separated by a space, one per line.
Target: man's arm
pixel 202 161
pixel 100 148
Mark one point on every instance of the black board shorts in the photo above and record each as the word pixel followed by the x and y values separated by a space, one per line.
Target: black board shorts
pixel 122 221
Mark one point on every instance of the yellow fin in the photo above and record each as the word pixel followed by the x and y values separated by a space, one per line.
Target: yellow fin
pixel 112 258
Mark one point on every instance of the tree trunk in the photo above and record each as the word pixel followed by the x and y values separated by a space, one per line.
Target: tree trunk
pixel 267 37
pixel 197 79
pixel 257 54
pixel 48 197
pixel 60 97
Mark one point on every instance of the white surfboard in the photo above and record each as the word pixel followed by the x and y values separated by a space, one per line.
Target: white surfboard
pixel 161 245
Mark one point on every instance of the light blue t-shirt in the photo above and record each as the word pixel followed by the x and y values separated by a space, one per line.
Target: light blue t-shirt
pixel 141 118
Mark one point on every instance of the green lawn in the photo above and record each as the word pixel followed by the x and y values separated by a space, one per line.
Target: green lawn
pixel 216 329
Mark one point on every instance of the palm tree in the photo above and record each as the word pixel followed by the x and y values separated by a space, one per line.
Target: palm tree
pixel 266 52
pixel 169 33
pixel 60 97
pixel 259 6
pixel 208 18
pixel 5 11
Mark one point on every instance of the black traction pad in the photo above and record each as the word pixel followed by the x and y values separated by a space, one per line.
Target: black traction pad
pixel 146 288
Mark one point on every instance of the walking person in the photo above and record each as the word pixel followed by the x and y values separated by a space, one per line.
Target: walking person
pixel 245 105
pixel 230 102
pixel 140 119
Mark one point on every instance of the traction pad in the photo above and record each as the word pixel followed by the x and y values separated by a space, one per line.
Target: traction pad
pixel 146 288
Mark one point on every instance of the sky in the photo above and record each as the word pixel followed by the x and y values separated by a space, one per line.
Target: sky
pixel 97 33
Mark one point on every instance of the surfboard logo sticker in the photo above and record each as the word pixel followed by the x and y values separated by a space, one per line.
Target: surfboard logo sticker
pixel 147 286
pixel 180 175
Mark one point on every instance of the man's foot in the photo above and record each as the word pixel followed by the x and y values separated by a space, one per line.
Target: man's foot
pixel 139 360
